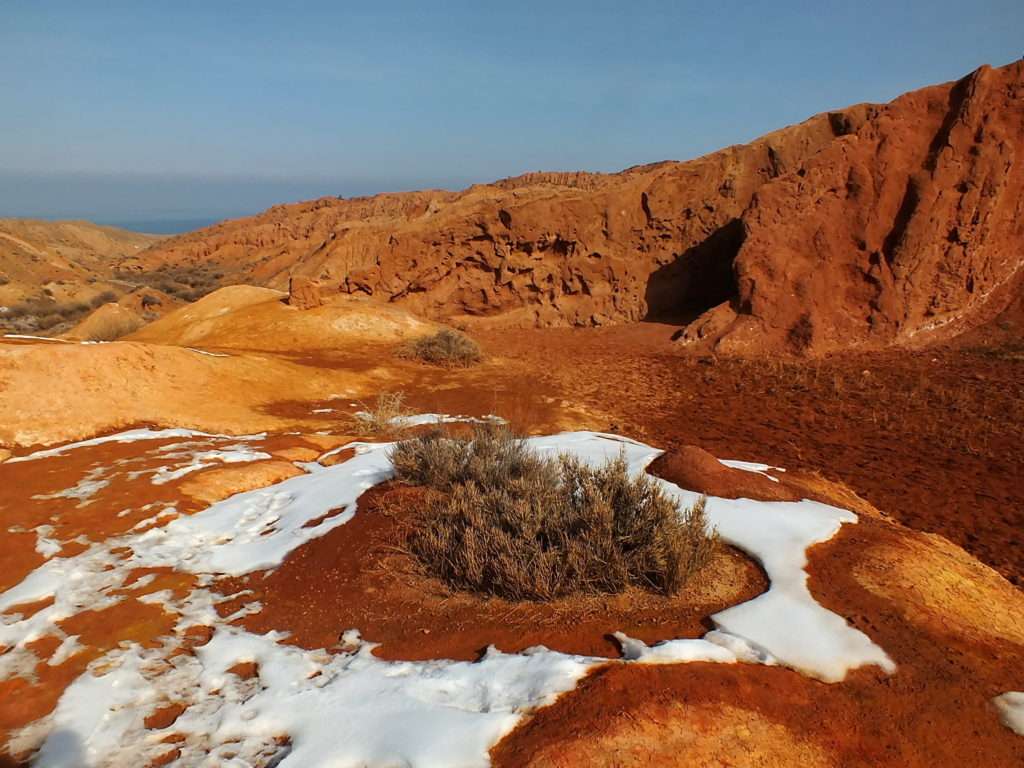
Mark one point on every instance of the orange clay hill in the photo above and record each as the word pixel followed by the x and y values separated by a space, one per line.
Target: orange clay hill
pixel 206 556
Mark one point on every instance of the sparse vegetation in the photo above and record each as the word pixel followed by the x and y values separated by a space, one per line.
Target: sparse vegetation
pixel 504 521
pixel 188 283
pixel 448 348
pixel 385 416
pixel 45 312
pixel 102 298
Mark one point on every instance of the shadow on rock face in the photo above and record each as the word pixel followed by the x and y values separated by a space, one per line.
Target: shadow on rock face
pixel 700 278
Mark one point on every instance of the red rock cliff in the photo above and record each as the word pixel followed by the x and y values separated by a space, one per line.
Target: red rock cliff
pixel 907 229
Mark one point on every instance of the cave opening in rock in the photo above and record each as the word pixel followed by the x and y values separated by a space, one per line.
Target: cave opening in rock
pixel 700 278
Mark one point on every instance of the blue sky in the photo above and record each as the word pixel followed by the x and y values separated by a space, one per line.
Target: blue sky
pixel 149 110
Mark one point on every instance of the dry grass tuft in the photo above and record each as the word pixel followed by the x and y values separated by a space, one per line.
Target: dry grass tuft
pixel 447 348
pixel 508 522
pixel 384 417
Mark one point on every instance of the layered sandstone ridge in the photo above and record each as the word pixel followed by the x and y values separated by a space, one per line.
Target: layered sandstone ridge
pixel 866 226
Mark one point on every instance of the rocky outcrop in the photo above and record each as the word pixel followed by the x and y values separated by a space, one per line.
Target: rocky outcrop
pixel 867 226
pixel 304 293
pixel 906 230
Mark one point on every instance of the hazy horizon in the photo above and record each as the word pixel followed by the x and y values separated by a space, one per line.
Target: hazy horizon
pixel 143 114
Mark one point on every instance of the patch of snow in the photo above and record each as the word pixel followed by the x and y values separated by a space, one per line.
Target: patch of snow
pixel 205 459
pixel 323 410
pixel 83 490
pixel 45 545
pixel 34 338
pixel 85 580
pixel 338 710
pixel 258 529
pixel 128 436
pixel 352 708
pixel 752 466
pixel 1011 710
pixel 714 646
pixel 786 621
pixel 421 419
pixel 207 352
pixel 167 512
pixel 68 648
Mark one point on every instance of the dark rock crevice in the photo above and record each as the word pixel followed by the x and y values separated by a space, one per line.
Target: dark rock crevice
pixel 700 278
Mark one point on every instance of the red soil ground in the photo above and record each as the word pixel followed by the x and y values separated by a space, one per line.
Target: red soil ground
pixel 932 438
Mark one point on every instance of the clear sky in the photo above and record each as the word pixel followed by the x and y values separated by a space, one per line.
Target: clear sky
pixel 146 110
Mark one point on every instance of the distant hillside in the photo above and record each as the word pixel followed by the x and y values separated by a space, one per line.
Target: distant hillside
pixel 57 270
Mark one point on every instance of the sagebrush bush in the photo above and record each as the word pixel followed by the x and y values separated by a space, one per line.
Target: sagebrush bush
pixel 508 522
pixel 102 298
pixel 447 348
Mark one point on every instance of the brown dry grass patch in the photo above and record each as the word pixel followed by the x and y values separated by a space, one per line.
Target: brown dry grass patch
pixel 507 522
pixel 447 348
pixel 384 417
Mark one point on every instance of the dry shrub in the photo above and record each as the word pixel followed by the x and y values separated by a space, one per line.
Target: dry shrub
pixel 447 348
pixel 49 321
pixel 186 282
pixel 385 416
pixel 99 299
pixel 508 522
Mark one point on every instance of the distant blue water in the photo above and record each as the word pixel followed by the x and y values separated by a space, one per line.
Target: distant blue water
pixel 162 226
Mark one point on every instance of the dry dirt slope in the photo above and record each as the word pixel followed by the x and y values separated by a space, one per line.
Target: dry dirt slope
pixel 52 273
pixel 866 226
pixel 34 253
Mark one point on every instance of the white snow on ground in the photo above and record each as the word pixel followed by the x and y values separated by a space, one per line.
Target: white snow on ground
pixel 45 545
pixel 1011 710
pixel 256 530
pixel 203 459
pixel 130 436
pixel 338 710
pixel 420 419
pixel 786 621
pixel 207 352
pixel 34 338
pixel 752 466
pixel 48 338
pixel 83 490
pixel 354 709
pixel 714 646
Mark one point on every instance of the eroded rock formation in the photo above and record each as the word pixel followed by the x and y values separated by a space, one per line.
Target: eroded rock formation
pixel 303 293
pixel 867 226
pixel 909 227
